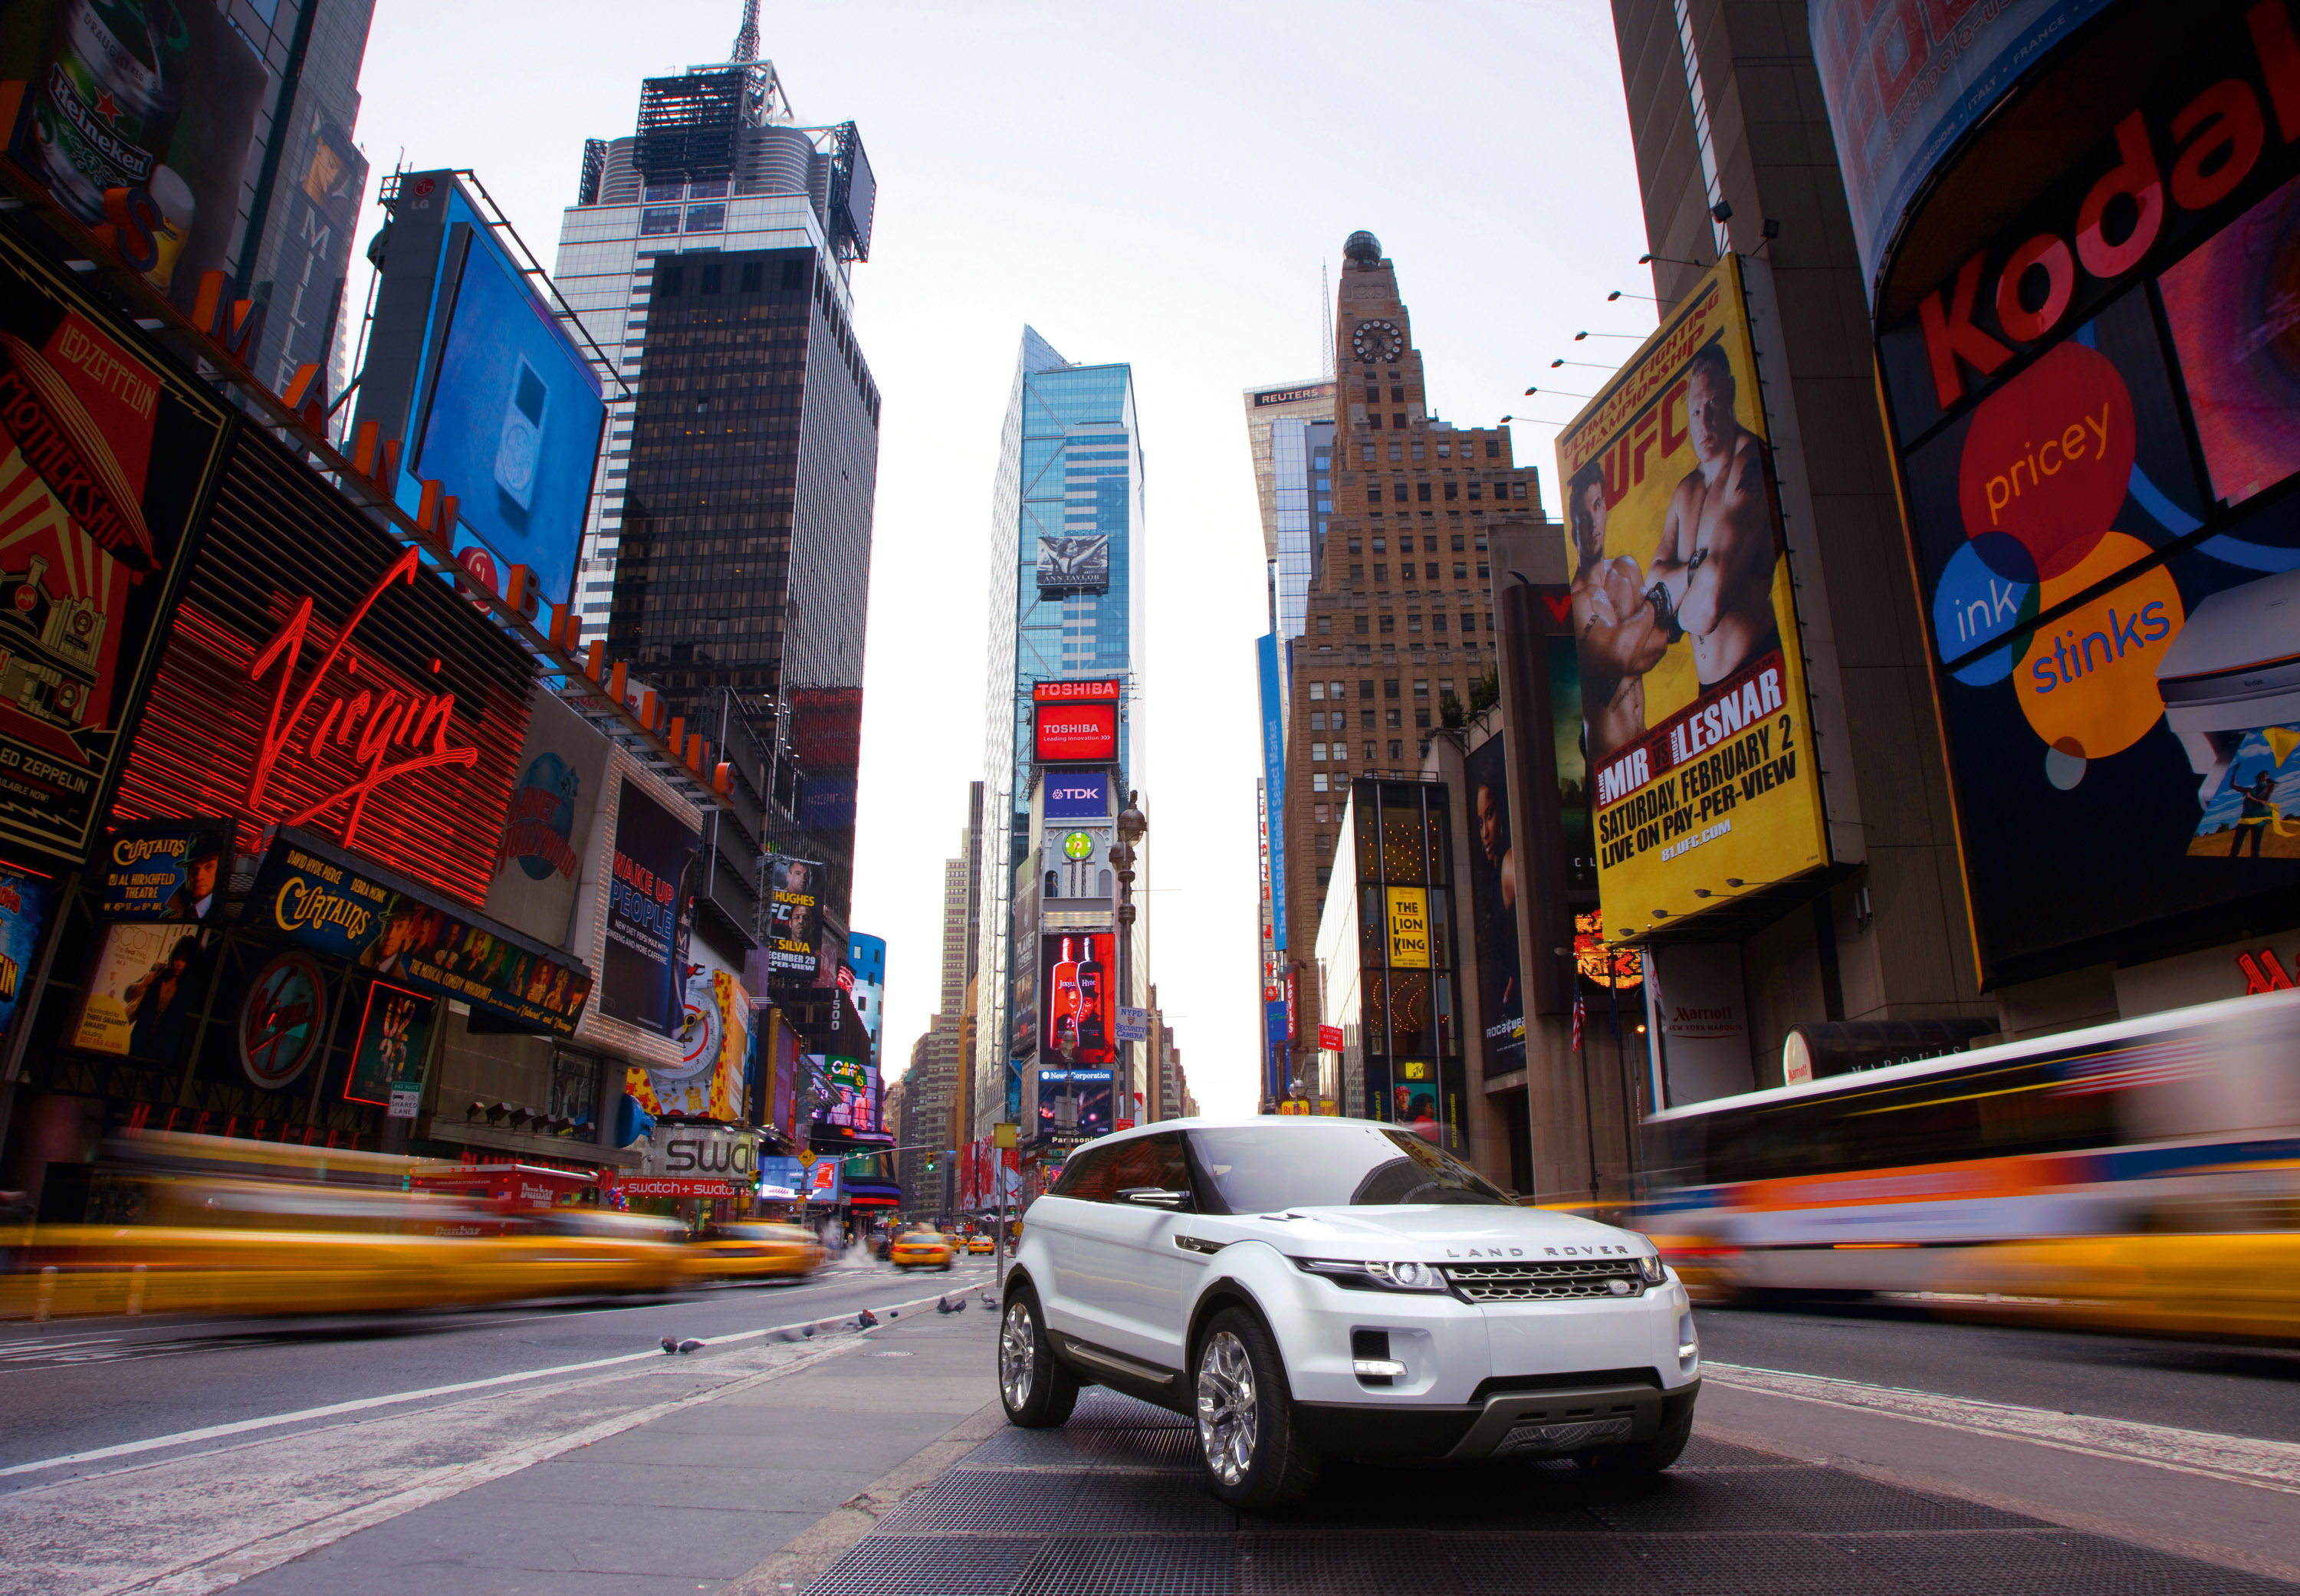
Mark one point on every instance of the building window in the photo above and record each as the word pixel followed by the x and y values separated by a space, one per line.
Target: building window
pixel 1476 491
pixel 1396 453
pixel 1325 841
pixel 1357 573
pixel 754 276
pixel 1374 420
pixel 1452 490
pixel 1397 750
pixel 1358 625
pixel 1318 782
pixel 1437 621
pixel 1457 543
pixel 1421 689
pixel 1339 690
pixel 1319 813
pixel 655 223
pixel 1469 622
pixel 1419 454
pixel 1398 421
pixel 714 277
pixel 707 219
pixel 1422 720
pixel 1493 448
pixel 1326 622
pixel 1317 720
pixel 1380 545
pixel 1460 571
pixel 1317 689
pixel 1444 451
pixel 1357 546
pixel 1517 490
pixel 1389 688
pixel 1325 874
pixel 1318 750
pixel 1393 722
pixel 1422 492
pixel 1413 620
pixel 1365 452
pixel 1369 746
pixel 1380 572
pixel 1388 621
pixel 1373 394
pixel 1397 392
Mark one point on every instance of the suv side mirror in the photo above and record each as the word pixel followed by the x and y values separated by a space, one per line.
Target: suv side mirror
pixel 1155 1197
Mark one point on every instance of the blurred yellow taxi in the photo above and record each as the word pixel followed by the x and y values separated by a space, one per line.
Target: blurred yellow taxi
pixel 754 1250
pixel 2241 1285
pixel 978 1243
pixel 920 1250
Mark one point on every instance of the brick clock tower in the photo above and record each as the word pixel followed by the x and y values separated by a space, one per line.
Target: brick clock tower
pixel 1399 614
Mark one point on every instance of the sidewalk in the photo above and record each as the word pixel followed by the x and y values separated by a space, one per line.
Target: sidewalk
pixel 685 1503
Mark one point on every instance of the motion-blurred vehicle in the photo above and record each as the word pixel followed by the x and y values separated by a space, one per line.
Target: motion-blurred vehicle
pixel 750 1249
pixel 978 1243
pixel 222 1224
pixel 2140 1175
pixel 1311 1288
pixel 920 1250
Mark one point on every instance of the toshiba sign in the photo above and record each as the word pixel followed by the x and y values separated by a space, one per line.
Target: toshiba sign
pixel 1077 734
pixel 1076 692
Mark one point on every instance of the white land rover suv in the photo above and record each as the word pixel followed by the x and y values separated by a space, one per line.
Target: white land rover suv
pixel 1311 1288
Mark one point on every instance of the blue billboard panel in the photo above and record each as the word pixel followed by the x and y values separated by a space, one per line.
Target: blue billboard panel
pixel 1273 777
pixel 1078 794
pixel 511 416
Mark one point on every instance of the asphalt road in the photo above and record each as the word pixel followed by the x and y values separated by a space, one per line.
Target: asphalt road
pixel 2228 1390
pixel 74 1385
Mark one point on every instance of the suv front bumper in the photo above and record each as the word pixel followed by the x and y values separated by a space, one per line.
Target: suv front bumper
pixel 1549 1423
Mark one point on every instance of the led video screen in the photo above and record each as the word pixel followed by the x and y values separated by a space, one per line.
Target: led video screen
pixel 2232 308
pixel 513 418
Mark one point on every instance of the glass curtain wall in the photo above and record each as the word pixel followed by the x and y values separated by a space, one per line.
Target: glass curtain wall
pixel 1409 1007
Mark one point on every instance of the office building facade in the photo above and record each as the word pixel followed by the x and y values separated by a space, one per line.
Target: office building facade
pixel 1396 622
pixel 1068 601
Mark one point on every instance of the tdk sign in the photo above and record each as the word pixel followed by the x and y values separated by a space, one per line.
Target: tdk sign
pixel 1078 797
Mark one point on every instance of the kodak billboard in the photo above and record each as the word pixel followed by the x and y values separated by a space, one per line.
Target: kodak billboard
pixel 1702 785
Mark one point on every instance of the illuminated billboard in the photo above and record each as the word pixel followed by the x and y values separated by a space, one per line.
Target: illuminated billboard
pixel 139 122
pixel 1075 723
pixel 490 394
pixel 794 913
pixel 2099 457
pixel 1073 565
pixel 1698 734
pixel 1078 980
pixel 651 885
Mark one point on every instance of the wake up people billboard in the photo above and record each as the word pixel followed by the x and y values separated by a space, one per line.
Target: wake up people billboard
pixel 1696 727
pixel 104 459
pixel 2097 415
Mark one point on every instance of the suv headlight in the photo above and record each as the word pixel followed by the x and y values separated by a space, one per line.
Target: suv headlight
pixel 1650 1269
pixel 1406 1277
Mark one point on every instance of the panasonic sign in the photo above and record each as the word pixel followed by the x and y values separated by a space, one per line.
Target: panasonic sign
pixel 1074 796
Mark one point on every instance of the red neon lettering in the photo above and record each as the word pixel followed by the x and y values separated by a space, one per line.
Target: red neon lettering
pixel 342 714
pixel 1950 333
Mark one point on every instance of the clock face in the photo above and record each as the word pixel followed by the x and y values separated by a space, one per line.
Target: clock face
pixel 1077 846
pixel 1378 341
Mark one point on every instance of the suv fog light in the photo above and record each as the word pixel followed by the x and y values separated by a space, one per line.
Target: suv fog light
pixel 1376 1368
pixel 1686 1352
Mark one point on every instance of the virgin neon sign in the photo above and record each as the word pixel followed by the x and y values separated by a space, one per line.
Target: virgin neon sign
pixel 382 736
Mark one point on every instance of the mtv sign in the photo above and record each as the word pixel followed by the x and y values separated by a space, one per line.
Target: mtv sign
pixel 1074 797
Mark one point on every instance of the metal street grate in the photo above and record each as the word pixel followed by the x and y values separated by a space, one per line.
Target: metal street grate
pixel 1087 1449
pixel 1100 1408
pixel 2054 1563
pixel 1389 1564
pixel 1119 1566
pixel 1010 1501
pixel 899 1566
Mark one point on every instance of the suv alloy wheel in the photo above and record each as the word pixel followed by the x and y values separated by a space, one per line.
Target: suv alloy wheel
pixel 1035 1390
pixel 1246 1441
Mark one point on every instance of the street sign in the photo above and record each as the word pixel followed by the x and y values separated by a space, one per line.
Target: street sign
pixel 1002 1134
pixel 1329 1038
pixel 806 1156
pixel 1133 1024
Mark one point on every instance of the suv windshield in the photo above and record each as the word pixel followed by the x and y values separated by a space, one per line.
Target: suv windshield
pixel 1340 1165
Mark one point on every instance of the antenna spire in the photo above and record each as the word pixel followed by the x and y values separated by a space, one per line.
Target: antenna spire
pixel 1326 332
pixel 747 40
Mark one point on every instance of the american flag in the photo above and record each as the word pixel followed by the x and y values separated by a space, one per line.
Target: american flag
pixel 1580 1007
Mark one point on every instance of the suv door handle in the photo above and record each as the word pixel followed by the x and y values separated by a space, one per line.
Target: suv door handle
pixel 1155 1197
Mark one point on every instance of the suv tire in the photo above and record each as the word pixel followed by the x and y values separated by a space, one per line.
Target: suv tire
pixel 1035 1389
pixel 1253 1457
pixel 1640 1459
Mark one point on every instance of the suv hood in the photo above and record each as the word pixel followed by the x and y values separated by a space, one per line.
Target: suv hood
pixel 1434 1234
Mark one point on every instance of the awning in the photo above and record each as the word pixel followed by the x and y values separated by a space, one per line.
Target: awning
pixel 320 897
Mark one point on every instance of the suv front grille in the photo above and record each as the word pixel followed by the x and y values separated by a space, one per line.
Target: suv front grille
pixel 1546 1282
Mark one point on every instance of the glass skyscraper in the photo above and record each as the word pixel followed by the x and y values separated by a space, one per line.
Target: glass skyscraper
pixel 1069 467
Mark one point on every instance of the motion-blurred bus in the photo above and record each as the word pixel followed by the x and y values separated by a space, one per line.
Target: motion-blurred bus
pixel 2143 1175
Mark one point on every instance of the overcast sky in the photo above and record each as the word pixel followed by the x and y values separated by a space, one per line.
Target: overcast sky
pixel 1154 184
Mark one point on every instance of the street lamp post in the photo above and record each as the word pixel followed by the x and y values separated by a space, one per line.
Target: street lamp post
pixel 1132 826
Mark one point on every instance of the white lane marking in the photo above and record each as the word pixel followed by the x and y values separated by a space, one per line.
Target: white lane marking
pixel 2270 1465
pixel 363 1404
pixel 220 1570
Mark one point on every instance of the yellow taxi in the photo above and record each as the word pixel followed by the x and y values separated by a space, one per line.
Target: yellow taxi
pixel 978 1243
pixel 754 1250
pixel 920 1250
